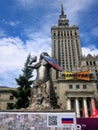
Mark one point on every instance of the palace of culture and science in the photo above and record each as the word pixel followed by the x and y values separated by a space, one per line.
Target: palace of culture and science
pixel 77 84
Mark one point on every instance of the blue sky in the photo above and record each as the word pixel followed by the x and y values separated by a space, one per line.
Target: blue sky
pixel 25 27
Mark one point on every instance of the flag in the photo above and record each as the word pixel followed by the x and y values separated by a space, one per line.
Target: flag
pixel 52 62
pixel 67 121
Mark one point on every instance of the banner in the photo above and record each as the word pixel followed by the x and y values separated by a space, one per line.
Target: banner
pixel 37 121
pixel 68 75
pixel 83 75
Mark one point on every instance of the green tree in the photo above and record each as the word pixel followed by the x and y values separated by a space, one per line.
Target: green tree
pixel 23 92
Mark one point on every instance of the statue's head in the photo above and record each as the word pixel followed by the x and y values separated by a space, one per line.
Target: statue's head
pixel 43 54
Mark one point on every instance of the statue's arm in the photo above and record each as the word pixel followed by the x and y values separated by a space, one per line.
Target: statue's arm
pixel 34 66
pixel 31 66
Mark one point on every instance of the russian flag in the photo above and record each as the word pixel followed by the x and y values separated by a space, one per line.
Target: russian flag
pixel 67 121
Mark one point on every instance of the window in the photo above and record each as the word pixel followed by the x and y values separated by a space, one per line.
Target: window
pixel 90 63
pixel 58 34
pixel 96 74
pixel 71 33
pixel 97 88
pixel 11 97
pixel 75 33
pixel 77 87
pixel 94 63
pixel 61 33
pixel 67 33
pixel 84 86
pixel 87 63
pixel 70 86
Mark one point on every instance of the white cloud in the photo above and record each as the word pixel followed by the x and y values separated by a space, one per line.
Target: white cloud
pixel 13 54
pixel 73 9
pixel 12 58
pixel 11 23
pixel 7 78
pixel 27 4
pixel 39 41
pixel 89 50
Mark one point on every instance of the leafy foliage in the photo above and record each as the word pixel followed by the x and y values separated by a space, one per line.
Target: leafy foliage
pixel 24 82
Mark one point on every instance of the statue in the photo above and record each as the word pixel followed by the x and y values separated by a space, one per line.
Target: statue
pixel 43 94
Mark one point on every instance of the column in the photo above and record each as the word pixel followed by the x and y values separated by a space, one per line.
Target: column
pixel 85 107
pixel 68 104
pixel 77 107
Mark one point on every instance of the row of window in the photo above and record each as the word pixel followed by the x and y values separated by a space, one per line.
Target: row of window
pixel 91 63
pixel 66 41
pixel 77 86
pixel 65 33
pixel 69 47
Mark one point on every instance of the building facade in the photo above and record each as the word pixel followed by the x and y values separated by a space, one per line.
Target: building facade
pixel 66 47
pixel 90 63
pixel 6 98
pixel 77 84
pixel 76 95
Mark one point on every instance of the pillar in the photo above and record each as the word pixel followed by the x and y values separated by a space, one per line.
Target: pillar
pixel 77 107
pixel 85 107
pixel 68 104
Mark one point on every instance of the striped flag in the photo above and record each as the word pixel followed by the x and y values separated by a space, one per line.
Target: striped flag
pixel 52 62
pixel 67 120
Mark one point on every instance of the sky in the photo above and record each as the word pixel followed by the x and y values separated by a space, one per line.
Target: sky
pixel 25 28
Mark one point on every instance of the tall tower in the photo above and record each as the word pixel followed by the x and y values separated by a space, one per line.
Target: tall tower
pixel 66 47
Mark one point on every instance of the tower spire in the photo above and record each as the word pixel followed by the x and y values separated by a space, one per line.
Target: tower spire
pixel 62 10
pixel 62 18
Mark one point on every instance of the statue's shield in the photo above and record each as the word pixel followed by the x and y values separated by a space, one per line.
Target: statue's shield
pixel 53 63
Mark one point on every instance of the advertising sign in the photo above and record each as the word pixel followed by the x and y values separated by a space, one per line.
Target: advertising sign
pixel 87 123
pixel 37 121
